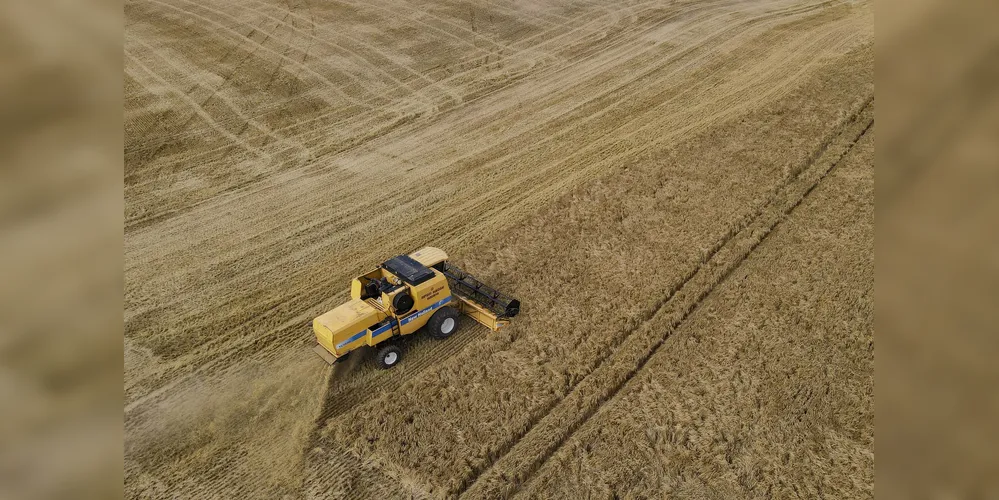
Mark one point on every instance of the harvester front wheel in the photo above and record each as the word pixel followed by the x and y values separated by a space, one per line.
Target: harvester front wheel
pixel 443 323
pixel 388 356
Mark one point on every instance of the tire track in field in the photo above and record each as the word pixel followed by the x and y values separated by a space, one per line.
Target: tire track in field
pixel 416 16
pixel 371 103
pixel 463 124
pixel 611 56
pixel 647 5
pixel 740 99
pixel 367 46
pixel 360 127
pixel 333 87
pixel 368 119
pixel 389 129
pixel 177 133
pixel 214 94
pixel 526 188
pixel 619 52
pixel 220 151
pixel 567 118
pixel 316 118
pixel 497 6
pixel 350 53
pixel 195 107
pixel 517 464
pixel 320 132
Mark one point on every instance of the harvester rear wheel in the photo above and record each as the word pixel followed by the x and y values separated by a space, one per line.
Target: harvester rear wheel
pixel 388 356
pixel 443 323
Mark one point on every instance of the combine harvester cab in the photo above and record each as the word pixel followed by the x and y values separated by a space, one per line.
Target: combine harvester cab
pixel 403 295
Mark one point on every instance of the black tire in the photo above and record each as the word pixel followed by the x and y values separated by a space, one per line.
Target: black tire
pixel 443 323
pixel 388 356
pixel 402 303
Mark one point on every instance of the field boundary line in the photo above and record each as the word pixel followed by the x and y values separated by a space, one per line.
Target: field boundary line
pixel 516 465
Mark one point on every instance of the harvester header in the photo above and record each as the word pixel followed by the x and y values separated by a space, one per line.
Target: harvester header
pixel 403 295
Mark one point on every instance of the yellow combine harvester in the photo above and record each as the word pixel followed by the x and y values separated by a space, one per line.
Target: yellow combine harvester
pixel 404 294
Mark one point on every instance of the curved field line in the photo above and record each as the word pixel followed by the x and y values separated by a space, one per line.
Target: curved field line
pixel 307 69
pixel 360 83
pixel 622 47
pixel 454 76
pixel 334 125
pixel 699 46
pixel 323 131
pixel 226 79
pixel 198 110
pixel 519 13
pixel 189 159
pixel 651 28
pixel 228 102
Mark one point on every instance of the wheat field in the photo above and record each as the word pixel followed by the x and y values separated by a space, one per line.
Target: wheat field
pixel 679 192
